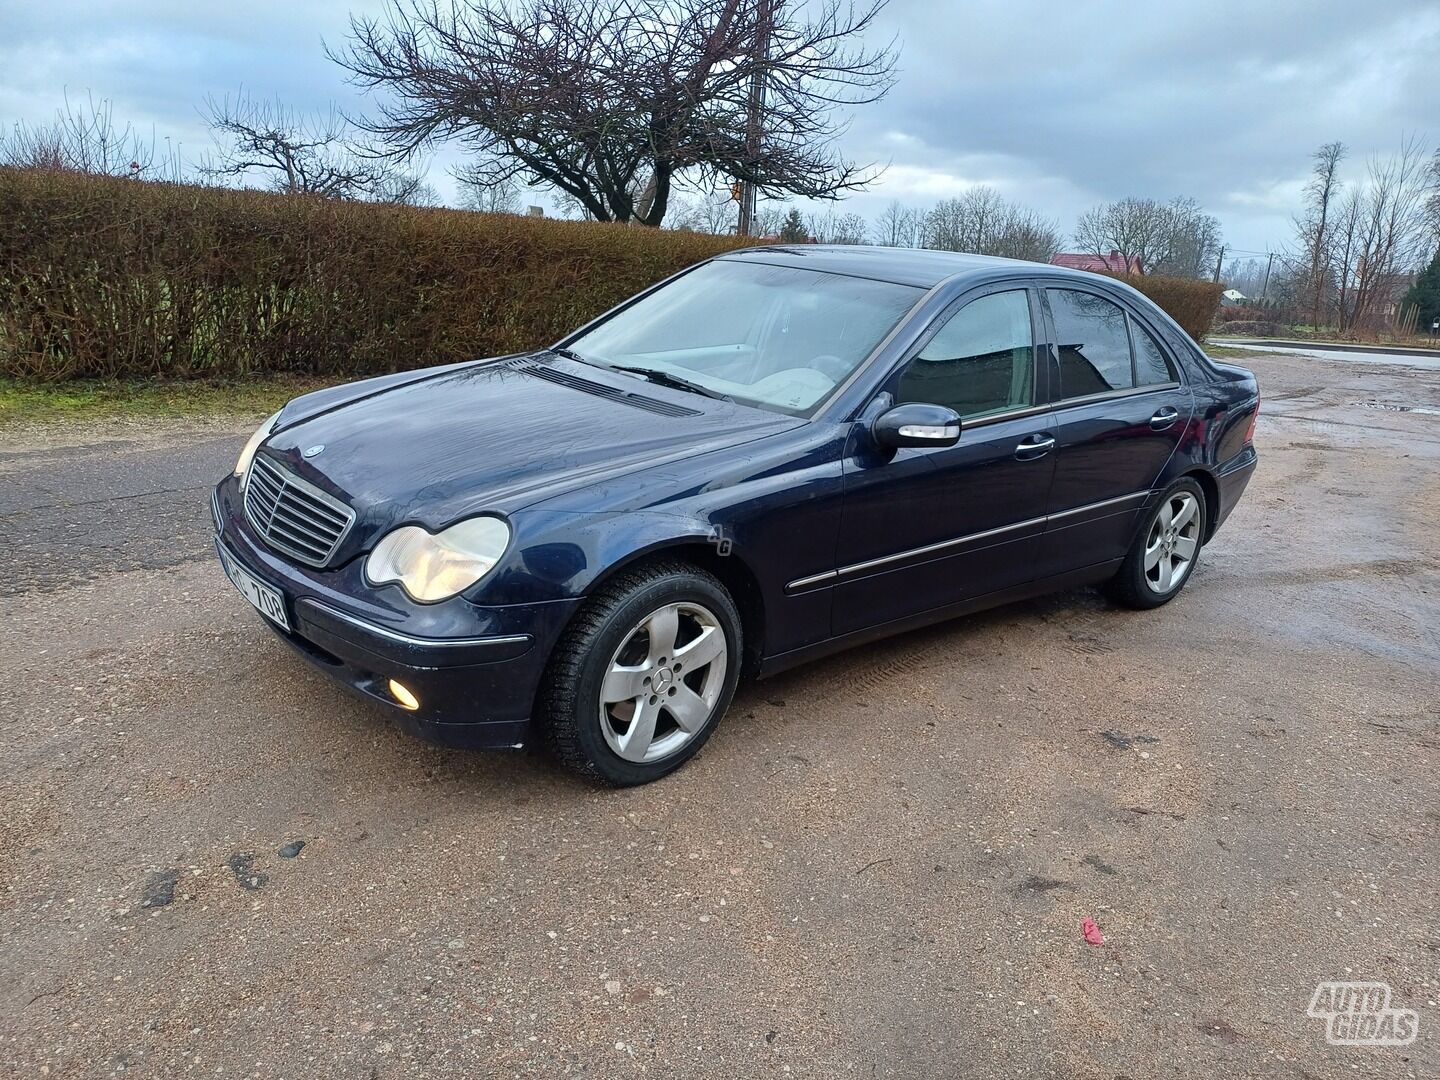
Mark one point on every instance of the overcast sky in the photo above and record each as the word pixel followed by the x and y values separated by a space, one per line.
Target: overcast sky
pixel 1061 104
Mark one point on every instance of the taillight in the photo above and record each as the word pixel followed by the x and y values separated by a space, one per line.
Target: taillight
pixel 1250 430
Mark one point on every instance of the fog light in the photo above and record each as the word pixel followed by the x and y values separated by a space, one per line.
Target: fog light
pixel 401 693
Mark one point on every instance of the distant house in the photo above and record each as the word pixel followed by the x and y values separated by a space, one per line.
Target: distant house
pixel 1114 262
pixel 1232 298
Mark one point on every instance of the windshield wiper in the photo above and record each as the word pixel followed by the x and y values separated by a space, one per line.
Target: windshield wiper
pixel 675 382
pixel 571 354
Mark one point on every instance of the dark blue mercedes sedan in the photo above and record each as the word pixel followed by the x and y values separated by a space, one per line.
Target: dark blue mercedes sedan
pixel 773 455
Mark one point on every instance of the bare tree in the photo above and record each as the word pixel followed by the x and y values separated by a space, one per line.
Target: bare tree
pixel 85 138
pixel 1432 204
pixel 612 101
pixel 832 228
pixel 1135 228
pixel 1246 275
pixel 983 222
pixel 299 153
pixel 1176 238
pixel 1193 241
pixel 1314 227
pixel 569 208
pixel 770 218
pixel 718 212
pixel 684 216
pixel 1381 234
pixel 897 226
pixel 402 189
pixel 850 229
pixel 501 198
pixel 715 212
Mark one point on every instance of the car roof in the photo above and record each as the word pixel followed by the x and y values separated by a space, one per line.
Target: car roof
pixel 904 266
pixel 924 268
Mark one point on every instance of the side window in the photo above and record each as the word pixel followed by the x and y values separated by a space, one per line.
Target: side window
pixel 1151 367
pixel 1093 344
pixel 980 362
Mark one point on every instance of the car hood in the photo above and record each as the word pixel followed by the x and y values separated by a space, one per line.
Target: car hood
pixel 497 436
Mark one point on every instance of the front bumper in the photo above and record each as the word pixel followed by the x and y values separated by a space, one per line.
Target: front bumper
pixel 473 669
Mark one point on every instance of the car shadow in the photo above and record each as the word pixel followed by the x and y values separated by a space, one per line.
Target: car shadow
pixel 376 750
pixel 891 657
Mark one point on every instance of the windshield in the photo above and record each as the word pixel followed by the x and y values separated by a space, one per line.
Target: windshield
pixel 773 336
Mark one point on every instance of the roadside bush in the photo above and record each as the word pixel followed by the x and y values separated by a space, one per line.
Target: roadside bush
pixel 1247 313
pixel 115 278
pixel 1190 303
pixel 1250 328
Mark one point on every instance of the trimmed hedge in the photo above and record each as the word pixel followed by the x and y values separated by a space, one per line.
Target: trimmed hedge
pixel 1190 303
pixel 106 277
pixel 115 278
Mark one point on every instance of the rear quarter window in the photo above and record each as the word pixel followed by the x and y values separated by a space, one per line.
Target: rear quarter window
pixel 1151 364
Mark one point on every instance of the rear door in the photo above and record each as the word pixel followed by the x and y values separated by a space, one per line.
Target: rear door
pixel 926 527
pixel 1120 411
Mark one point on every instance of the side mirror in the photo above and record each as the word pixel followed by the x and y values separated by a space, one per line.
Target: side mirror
pixel 916 424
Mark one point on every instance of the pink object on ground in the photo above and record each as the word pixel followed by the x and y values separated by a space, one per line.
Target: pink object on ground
pixel 1092 932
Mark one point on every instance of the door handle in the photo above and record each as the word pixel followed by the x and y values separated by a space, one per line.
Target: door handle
pixel 1033 446
pixel 1164 418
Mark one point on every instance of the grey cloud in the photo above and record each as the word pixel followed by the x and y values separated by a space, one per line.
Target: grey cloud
pixel 1060 104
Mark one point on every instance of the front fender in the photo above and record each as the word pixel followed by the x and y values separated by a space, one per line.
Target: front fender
pixel 559 555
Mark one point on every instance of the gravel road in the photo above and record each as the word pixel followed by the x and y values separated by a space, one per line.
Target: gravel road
pixel 214 863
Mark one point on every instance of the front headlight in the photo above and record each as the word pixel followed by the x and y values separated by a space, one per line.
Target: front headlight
pixel 247 455
pixel 435 566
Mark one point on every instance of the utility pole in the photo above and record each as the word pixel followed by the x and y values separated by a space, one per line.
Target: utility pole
pixel 1218 260
pixel 1265 288
pixel 755 111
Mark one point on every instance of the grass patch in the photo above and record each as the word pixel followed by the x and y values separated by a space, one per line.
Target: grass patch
pixel 38 403
pixel 1228 352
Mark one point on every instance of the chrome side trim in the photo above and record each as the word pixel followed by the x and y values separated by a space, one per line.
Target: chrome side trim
pixel 813 579
pixel 410 639
pixel 930 549
pixel 1113 395
pixel 831 576
pixel 1008 414
pixel 1099 505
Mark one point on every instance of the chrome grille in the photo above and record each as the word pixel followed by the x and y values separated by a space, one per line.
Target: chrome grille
pixel 292 515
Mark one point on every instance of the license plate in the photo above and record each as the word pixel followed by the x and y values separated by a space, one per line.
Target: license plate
pixel 268 600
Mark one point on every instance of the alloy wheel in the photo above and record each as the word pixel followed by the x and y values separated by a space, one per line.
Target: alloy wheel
pixel 664 681
pixel 1171 544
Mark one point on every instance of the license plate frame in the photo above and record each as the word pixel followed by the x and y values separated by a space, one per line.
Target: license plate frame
pixel 264 598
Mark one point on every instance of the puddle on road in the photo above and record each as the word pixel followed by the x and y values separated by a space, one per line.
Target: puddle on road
pixel 1388 407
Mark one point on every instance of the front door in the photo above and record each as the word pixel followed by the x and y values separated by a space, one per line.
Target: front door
pixel 926 527
pixel 1120 412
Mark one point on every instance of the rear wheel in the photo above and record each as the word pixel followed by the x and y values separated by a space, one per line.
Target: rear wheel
pixel 642 676
pixel 1164 553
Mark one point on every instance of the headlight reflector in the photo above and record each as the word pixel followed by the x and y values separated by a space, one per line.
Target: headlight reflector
pixel 436 566
pixel 247 455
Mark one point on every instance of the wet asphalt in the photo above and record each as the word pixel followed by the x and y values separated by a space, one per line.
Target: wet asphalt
pixel 214 863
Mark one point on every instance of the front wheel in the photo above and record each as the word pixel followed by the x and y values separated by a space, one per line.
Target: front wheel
pixel 643 675
pixel 1164 553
